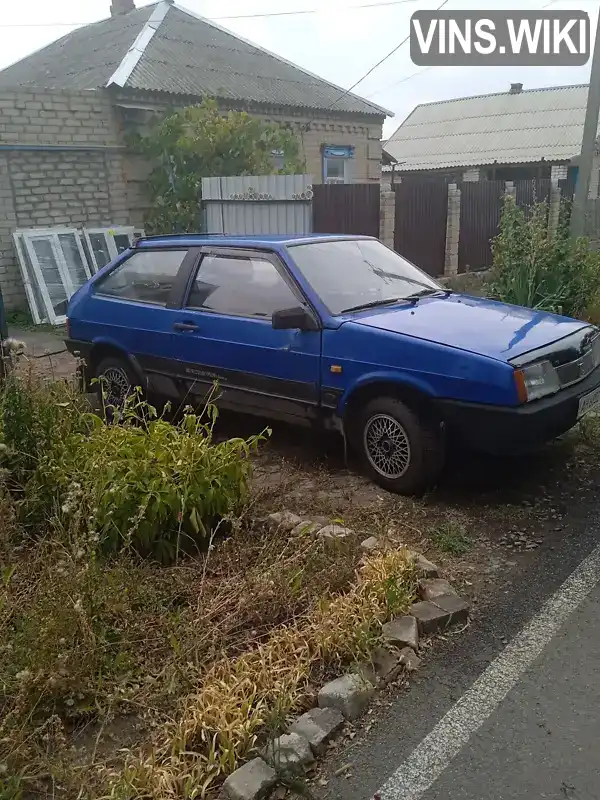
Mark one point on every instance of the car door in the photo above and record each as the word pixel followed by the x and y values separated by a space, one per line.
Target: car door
pixel 225 334
pixel 134 306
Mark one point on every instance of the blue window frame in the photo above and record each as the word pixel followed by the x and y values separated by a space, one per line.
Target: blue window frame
pixel 338 164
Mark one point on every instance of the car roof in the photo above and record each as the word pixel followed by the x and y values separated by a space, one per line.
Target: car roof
pixel 224 240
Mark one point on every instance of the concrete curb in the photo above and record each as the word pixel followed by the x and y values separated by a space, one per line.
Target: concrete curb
pixel 346 698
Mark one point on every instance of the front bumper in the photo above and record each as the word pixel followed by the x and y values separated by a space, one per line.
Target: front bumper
pixel 503 430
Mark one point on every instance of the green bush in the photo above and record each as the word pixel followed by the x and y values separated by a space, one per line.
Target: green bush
pixel 542 270
pixel 143 484
pixel 155 486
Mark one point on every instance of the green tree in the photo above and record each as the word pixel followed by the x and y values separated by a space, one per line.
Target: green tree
pixel 201 141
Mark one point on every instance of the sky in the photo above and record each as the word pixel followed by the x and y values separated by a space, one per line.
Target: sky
pixel 339 42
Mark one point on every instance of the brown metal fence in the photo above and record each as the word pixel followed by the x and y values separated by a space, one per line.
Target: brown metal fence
pixel 481 206
pixel 527 193
pixel 346 208
pixel 420 224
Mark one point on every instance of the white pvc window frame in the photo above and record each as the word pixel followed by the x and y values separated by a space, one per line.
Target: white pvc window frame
pixel 109 238
pixel 25 239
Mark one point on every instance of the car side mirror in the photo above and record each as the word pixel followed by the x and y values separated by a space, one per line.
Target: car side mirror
pixel 294 318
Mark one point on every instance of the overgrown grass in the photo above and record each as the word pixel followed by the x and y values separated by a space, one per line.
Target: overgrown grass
pixel 187 664
pixel 451 537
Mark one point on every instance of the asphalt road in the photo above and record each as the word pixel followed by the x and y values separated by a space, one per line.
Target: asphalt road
pixel 510 709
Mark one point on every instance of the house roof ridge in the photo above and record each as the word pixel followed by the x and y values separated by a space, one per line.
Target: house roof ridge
pixel 223 29
pixel 499 94
pixel 131 59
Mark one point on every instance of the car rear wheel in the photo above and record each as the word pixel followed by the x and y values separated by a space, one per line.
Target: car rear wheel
pixel 402 451
pixel 116 381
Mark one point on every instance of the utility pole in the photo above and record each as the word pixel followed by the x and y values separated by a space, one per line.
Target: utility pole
pixel 588 143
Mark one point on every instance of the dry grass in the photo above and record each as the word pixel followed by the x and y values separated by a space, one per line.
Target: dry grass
pixel 239 699
pixel 188 665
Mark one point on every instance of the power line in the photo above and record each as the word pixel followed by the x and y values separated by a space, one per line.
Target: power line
pixel 378 64
pixel 397 83
pixel 266 14
pixel 263 15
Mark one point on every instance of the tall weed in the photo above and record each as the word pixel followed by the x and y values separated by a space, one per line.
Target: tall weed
pixel 540 269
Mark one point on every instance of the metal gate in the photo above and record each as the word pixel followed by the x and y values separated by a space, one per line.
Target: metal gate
pixel 258 204
pixel 480 210
pixel 346 208
pixel 420 224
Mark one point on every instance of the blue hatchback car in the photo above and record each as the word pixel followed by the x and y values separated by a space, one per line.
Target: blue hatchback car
pixel 340 332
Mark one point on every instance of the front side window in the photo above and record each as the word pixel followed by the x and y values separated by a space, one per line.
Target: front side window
pixel 337 164
pixel 240 286
pixel 352 273
pixel 146 277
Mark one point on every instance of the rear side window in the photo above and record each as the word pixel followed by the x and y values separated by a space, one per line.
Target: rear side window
pixel 248 286
pixel 146 277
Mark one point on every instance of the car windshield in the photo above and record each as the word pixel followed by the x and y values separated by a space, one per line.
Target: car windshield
pixel 351 274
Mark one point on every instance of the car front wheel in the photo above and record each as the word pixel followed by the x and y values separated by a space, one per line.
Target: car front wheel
pixel 403 452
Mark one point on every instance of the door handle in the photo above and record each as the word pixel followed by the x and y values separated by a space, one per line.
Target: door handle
pixel 185 326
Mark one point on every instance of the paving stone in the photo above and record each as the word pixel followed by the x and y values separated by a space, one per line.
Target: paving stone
pixel 402 632
pixel 370 545
pixel 455 606
pixel 385 665
pixel 318 726
pixel 409 659
pixel 349 694
pixel 253 781
pixel 430 618
pixel 335 537
pixel 283 519
pixel 426 568
pixel 288 753
pixel 306 528
pixel 430 588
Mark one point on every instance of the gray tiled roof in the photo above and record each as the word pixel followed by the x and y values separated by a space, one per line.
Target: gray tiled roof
pixel 185 55
pixel 505 128
pixel 83 59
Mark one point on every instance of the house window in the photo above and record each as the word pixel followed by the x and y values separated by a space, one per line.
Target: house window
pixel 278 159
pixel 338 164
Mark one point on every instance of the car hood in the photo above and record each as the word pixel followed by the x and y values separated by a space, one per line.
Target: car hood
pixel 475 324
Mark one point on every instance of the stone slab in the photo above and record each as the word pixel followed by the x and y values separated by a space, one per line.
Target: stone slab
pixel 409 659
pixel 402 632
pixel 370 545
pixel 288 753
pixel 430 588
pixel 455 606
pixel 430 618
pixel 252 781
pixel 283 519
pixel 349 694
pixel 318 726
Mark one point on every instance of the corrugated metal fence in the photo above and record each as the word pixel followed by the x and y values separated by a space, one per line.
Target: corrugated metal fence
pixel 347 208
pixel 420 225
pixel 258 204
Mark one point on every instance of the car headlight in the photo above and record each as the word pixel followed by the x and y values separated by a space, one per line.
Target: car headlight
pixel 536 380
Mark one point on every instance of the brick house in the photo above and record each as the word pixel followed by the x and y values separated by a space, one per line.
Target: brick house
pixel 66 110
pixel 507 136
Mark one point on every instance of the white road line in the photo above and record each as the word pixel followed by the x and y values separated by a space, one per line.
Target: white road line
pixel 431 757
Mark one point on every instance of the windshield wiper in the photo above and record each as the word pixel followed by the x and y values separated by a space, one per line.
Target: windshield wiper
pixel 374 304
pixel 428 293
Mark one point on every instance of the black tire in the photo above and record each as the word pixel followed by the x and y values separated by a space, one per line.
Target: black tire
pixel 116 381
pixel 414 452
